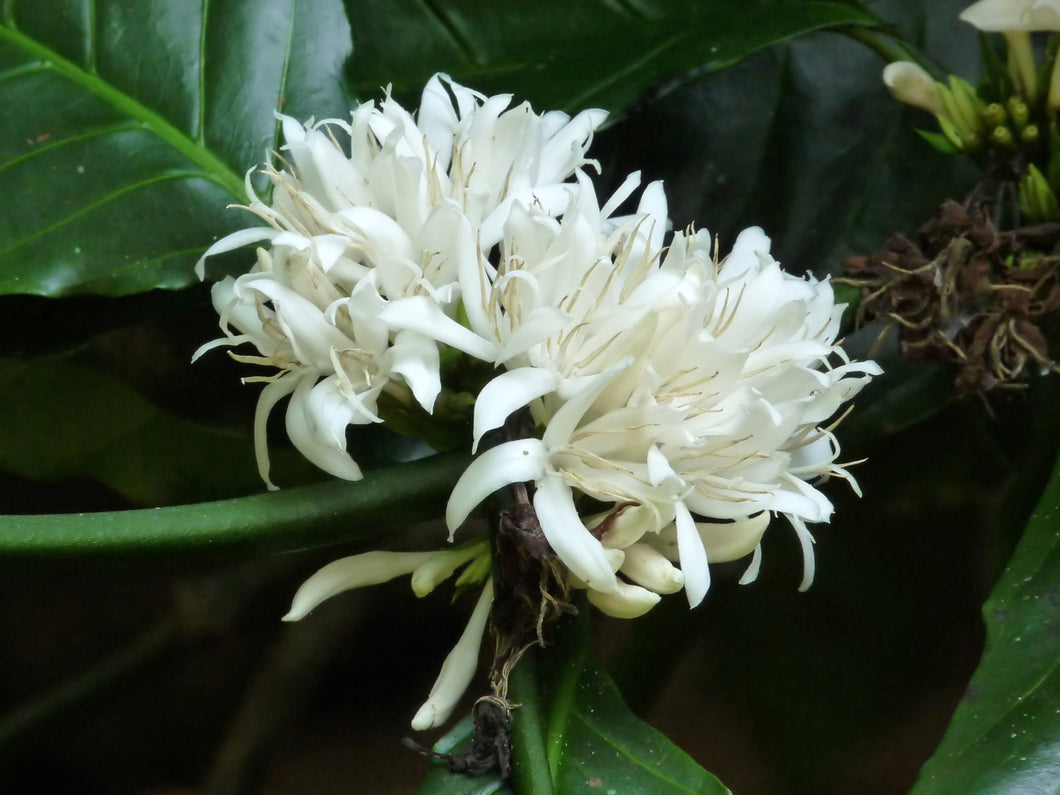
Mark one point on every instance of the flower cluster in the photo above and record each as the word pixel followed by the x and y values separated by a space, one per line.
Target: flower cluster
pixel 664 401
pixel 360 284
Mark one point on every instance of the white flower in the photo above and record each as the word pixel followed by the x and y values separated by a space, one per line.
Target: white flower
pixel 999 16
pixel 693 389
pixel 370 224
pixel 428 570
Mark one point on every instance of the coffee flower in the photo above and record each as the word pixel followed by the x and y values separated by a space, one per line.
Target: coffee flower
pixel 687 393
pixel 368 227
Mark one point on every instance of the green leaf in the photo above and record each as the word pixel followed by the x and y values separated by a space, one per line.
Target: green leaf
pixel 593 53
pixel 573 732
pixel 1005 733
pixel 129 127
pixel 114 436
pixel 280 521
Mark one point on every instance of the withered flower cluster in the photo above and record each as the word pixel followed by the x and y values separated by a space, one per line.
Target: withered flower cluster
pixel 961 292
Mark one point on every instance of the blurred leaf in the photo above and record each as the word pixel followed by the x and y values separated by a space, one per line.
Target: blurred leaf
pixel 594 53
pixel 573 732
pixel 129 126
pixel 1005 733
pixel 64 419
pixel 804 140
pixel 302 517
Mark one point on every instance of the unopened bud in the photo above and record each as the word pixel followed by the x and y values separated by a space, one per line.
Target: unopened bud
pixel 994 115
pixel 908 82
pixel 1001 136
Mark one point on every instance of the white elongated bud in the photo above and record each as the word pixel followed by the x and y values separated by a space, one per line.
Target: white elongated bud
pixel 910 83
pixel 650 569
pixel 458 668
pixel 356 571
pixel 626 601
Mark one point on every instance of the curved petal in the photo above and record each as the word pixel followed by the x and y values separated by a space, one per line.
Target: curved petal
pixel 576 547
pixel 269 397
pixel 356 571
pixel 806 542
pixel 506 393
pixel 244 237
pixel 512 462
pixel 419 313
pixel 458 668
pixel 415 358
pixel 304 432
pixel 693 556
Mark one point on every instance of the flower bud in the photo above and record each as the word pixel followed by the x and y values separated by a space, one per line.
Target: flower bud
pixel 650 569
pixel 908 82
pixel 627 601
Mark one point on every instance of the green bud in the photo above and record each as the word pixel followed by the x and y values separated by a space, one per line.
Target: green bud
pixel 1018 112
pixel 1037 200
pixel 1001 136
pixel 994 115
pixel 950 131
pixel 1029 134
pixel 967 107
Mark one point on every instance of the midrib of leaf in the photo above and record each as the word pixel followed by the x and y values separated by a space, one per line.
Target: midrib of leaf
pixel 213 167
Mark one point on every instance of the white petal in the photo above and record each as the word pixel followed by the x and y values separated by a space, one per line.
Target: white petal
pixel 356 571
pixel 806 542
pixel 304 432
pixel 458 668
pixel 751 573
pixel 419 313
pixel 268 399
pixel 244 237
pixel 512 462
pixel 415 358
pixel 693 557
pixel 506 393
pixel 576 547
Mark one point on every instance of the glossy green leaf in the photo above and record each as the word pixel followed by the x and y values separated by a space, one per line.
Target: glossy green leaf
pixel 1005 735
pixel 129 127
pixel 280 521
pixel 574 733
pixel 595 53
pixel 65 419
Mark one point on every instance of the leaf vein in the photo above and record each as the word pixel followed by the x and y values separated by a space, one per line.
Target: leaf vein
pixel 102 202
pixel 217 170
pixel 61 142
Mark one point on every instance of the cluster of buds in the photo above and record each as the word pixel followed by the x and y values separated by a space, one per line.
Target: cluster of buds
pixel 1008 124
pixel 963 293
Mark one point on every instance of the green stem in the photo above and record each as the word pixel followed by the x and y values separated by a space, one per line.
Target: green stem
pixel 279 521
